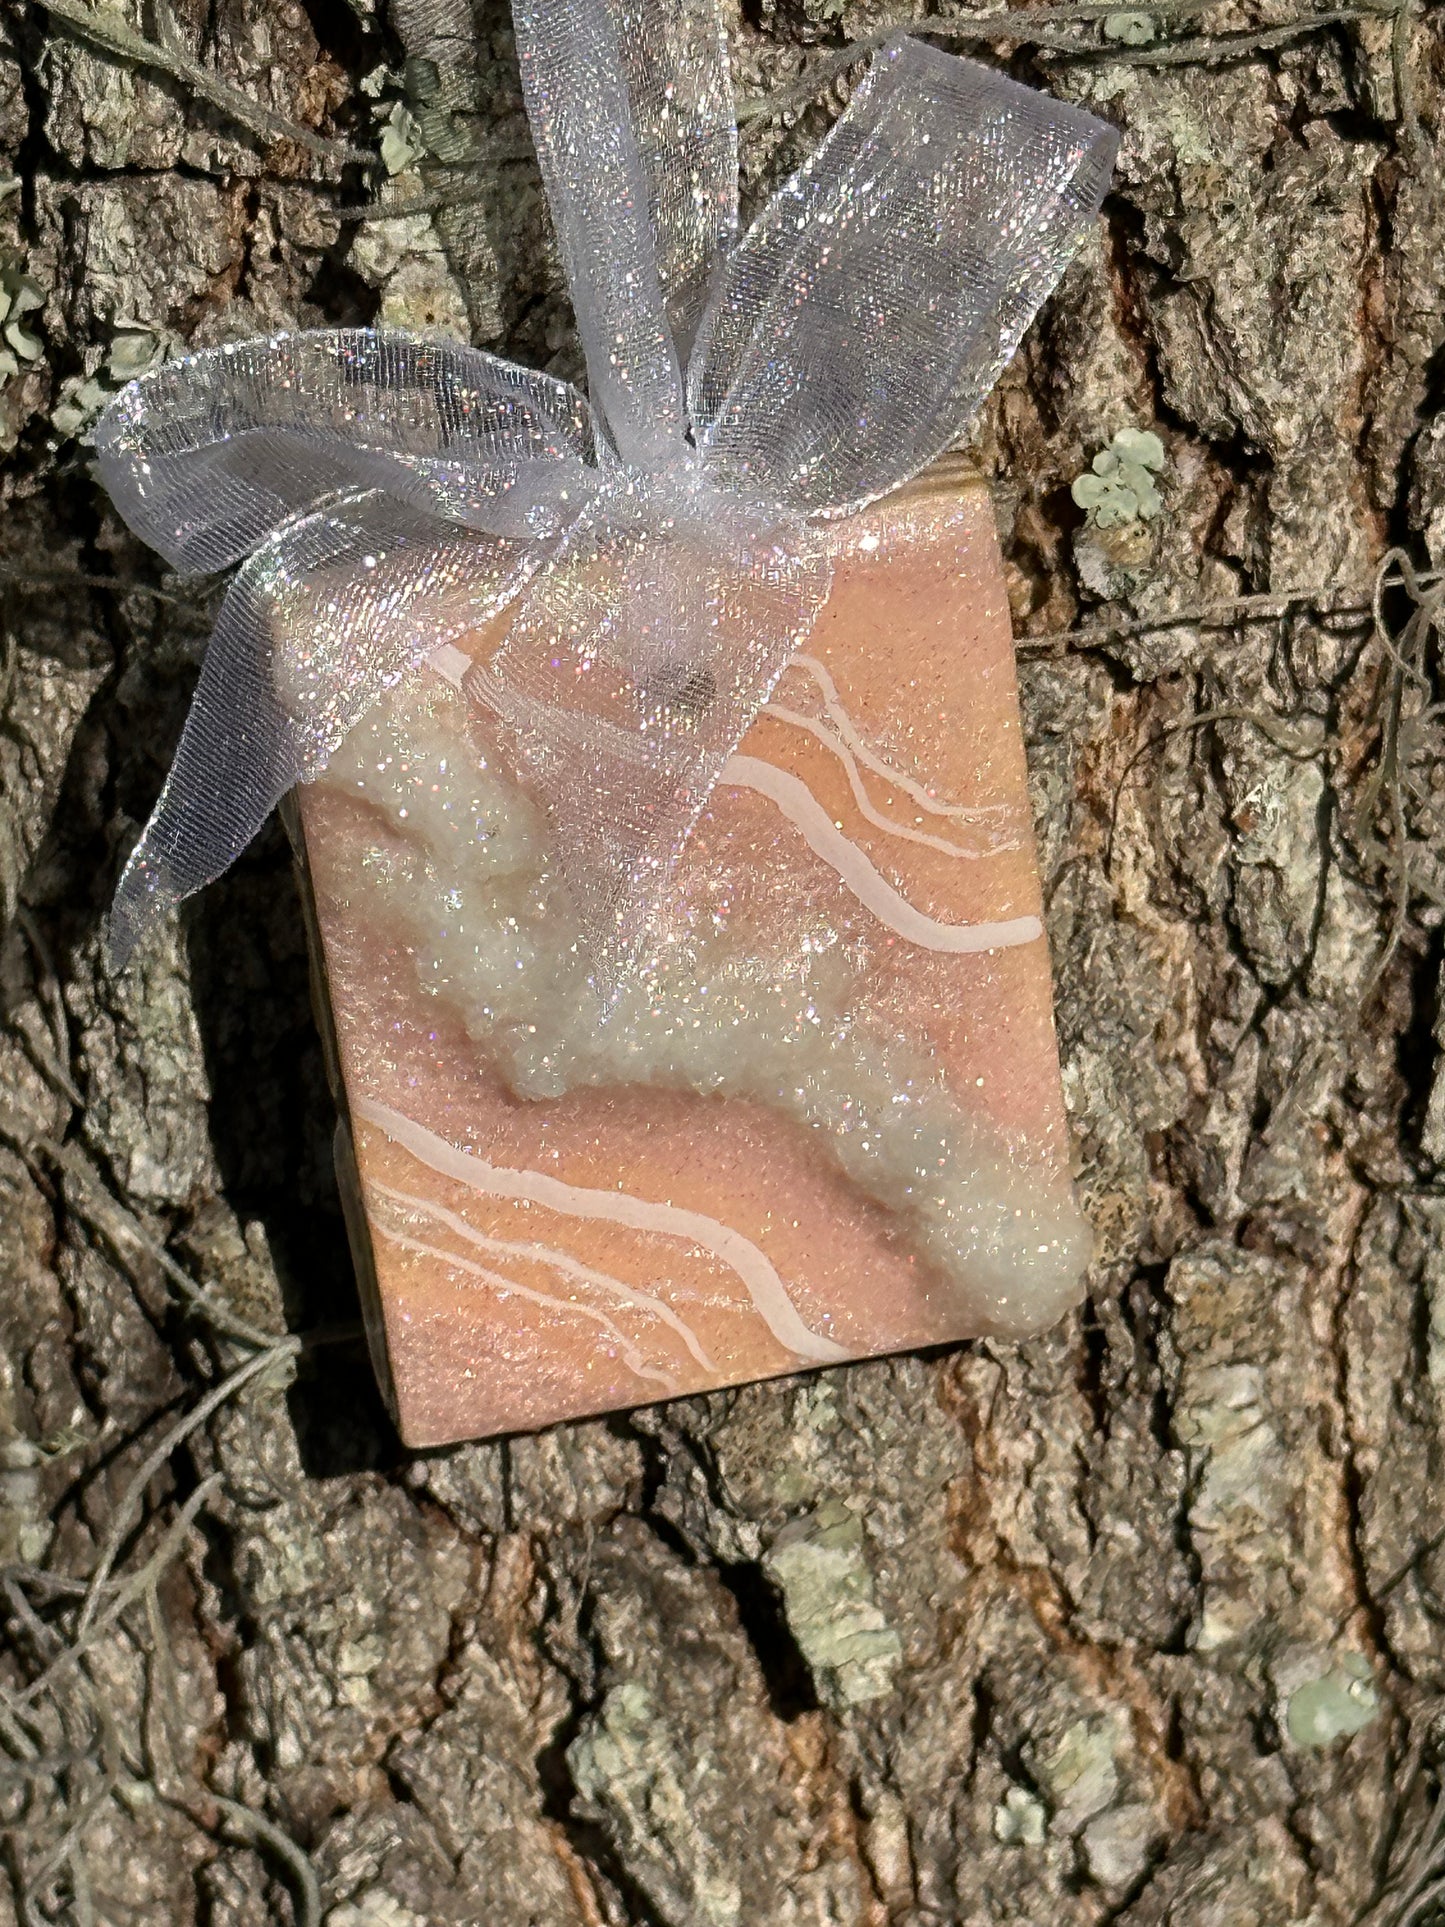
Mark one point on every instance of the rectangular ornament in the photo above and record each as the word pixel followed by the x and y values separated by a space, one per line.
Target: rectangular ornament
pixel 828 1125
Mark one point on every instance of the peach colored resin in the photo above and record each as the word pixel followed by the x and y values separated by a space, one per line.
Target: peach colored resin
pixel 829 1125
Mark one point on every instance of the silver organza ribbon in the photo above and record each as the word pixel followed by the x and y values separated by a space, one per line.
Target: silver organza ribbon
pixel 658 542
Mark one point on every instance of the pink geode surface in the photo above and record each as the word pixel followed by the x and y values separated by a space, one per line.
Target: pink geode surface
pixel 830 1125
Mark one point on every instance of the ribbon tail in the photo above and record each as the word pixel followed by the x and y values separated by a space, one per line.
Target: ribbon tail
pixel 629 675
pixel 336 608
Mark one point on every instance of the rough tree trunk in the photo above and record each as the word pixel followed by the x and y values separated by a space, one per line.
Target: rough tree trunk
pixel 1143 1622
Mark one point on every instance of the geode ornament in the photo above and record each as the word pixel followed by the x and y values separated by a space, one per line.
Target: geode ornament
pixel 655 756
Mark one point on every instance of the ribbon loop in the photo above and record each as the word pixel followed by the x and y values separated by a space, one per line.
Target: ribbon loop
pixel 211 453
pixel 332 610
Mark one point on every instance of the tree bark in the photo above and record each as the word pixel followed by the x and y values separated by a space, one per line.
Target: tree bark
pixel 1154 1607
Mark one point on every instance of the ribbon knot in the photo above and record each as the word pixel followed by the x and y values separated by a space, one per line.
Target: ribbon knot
pixel 660 543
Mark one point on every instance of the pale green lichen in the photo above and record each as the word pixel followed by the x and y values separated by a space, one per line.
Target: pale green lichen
pixel 614 1746
pixel 401 143
pixel 1117 1844
pixel 1079 1775
pixel 133 351
pixel 1119 486
pixel 1019 1820
pixel 441 99
pixel 1340 1703
pixel 819 1565
pixel 1132 29
pixel 625 1763
pixel 376 1909
pixel 421 113
pixel 19 296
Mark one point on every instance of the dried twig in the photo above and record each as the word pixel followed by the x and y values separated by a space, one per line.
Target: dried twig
pixel 54 1067
pixel 1327 598
pixel 83 1781
pixel 106 1214
pixel 1039 27
pixel 1417 149
pixel 1210 49
pixel 1401 733
pixel 68 1848
pixel 74 580
pixel 267 1834
pixel 1416 1887
pixel 402 210
pixel 108 31
pixel 124 1592
pixel 128 1511
pixel 45 1766
pixel 1278 732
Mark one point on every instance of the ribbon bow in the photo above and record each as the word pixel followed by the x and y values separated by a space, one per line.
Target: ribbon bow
pixel 661 546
